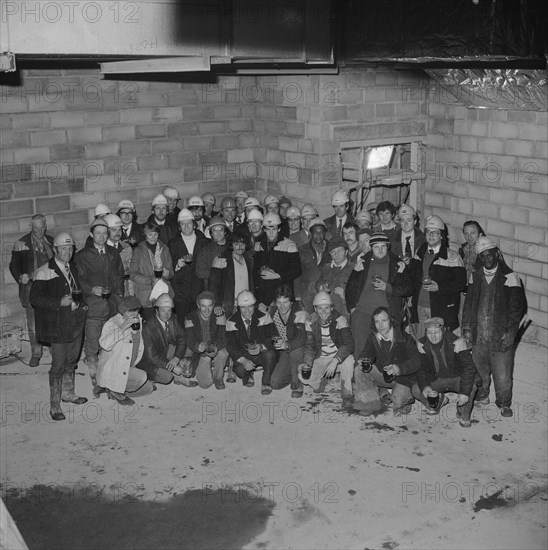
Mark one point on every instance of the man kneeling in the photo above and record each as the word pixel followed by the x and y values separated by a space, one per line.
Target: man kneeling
pixel 447 367
pixel 205 335
pixel 121 349
pixel 329 346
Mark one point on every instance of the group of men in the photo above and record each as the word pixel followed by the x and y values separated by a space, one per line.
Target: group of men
pixel 379 303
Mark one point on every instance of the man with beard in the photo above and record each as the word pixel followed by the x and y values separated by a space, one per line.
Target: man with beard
pixel 196 206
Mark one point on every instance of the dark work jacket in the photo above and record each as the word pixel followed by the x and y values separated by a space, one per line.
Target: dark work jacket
pixel 193 330
pixel 399 280
pixel 331 224
pixel 221 282
pixel 403 353
pixel 136 235
pixel 157 343
pixel 295 326
pixel 22 261
pixel 338 330
pixel 510 306
pixel 448 271
pixel 261 331
pixel 459 363
pixel 55 324
pixel 168 229
pixel 185 284
pixel 396 246
pixel 94 271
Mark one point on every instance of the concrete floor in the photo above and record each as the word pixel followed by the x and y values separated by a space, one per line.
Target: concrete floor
pixel 190 468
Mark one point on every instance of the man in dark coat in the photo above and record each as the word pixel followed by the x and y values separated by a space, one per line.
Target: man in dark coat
pixel 60 320
pixel 29 253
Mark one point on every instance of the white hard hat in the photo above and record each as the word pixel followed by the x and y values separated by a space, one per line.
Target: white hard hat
pixel 271 220
pixel 270 199
pixel 293 212
pixel 102 209
pixel 113 220
pixel 241 195
pixel 215 221
pixel 125 204
pixel 434 222
pixel 322 299
pixel 245 298
pixel 309 210
pixel 98 221
pixel 252 201
pixel 407 210
pixel 209 198
pixel 195 201
pixel 185 215
pixel 317 221
pixel 339 197
pixel 164 300
pixel 255 215
pixel 172 193
pixel 484 243
pixel 63 239
pixel 159 199
pixel 363 215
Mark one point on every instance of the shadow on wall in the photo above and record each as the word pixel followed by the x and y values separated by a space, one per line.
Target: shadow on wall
pixel 67 517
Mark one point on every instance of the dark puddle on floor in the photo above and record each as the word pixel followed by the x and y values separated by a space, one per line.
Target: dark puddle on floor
pixel 67 518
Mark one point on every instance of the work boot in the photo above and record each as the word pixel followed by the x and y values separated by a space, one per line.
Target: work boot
pixel 120 397
pixel 92 367
pixel 55 388
pixel 34 361
pixel 68 395
pixel 230 376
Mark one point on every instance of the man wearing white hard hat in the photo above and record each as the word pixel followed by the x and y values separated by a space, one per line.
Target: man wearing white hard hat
pixel 60 318
pixel 278 264
pixel 209 206
pixel 363 219
pixel 172 196
pixel 493 309
pixel 308 213
pixel 124 249
pixel 335 223
pixel 28 254
pixel 101 274
pixel 328 350
pixel 101 210
pixel 197 207
pixel 272 204
pixel 439 277
pixel 293 215
pixel 167 226
pixel 240 197
pixel 132 232
pixel 212 249
pixel 256 233
pixel 249 334
pixel 184 249
pixel 251 203
pixel 408 238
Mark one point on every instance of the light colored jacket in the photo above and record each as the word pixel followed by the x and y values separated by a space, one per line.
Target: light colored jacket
pixel 115 355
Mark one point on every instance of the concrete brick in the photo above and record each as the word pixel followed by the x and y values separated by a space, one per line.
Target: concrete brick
pixel 157 162
pixel 30 189
pixel 240 125
pixel 295 128
pixel 480 129
pixel 6 191
pixel 53 204
pixel 101 150
pixel 87 200
pixel 28 155
pixel 100 183
pixel 14 139
pixel 221 112
pixel 151 130
pixel 207 128
pixel 71 219
pixel 117 133
pixel 67 151
pixel 65 186
pixel 537 218
pixel 179 160
pixel 537 286
pixel 504 130
pixel 196 144
pixel 386 78
pixel 533 200
pixel 167 177
pixel 101 118
pixel 196 113
pixel 519 148
pixel 503 196
pixel 533 132
pixel 521 116
pixel 492 115
pixel 66 119
pixel 513 214
pixel 240 155
pixel 288 144
pixel 529 234
pixel 135 148
pixel 528 268
pixel 433 200
pixel 167 114
pixel 490 145
pixel 84 135
pixel 132 180
pixel 306 145
pixel 409 109
pixel 462 127
pixel 166 145
pixel 467 143
pixel 361 113
pixel 23 121
pixel 286 113
pixel 182 97
pixel 136 116
pixel 349 97
pixel 385 110
pixel 226 142
pixel 182 129
pixel 361 79
pixel 499 229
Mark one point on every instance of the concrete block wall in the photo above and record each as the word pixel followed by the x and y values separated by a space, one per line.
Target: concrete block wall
pixel 491 166
pixel 70 139
pixel 304 120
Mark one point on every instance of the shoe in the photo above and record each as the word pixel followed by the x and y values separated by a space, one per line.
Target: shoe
pixel 386 400
pixel 507 412
pixel 231 378
pixel 120 397
pixel 34 362
pixel 57 415
pixel 266 389
pixel 463 423
pixel 250 381
pixel 188 383
pixel 404 411
pixel 97 391
pixel 67 394
pixel 296 394
pixel 220 385
pixel 434 412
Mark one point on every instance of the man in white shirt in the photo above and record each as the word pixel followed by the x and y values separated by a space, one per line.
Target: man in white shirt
pixel 335 223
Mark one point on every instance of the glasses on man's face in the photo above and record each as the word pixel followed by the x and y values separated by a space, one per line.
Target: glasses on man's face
pixel 435 233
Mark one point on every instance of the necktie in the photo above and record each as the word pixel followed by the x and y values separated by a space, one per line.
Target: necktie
pixel 430 251
pixel 70 278
pixel 408 246
pixel 339 230
pixel 124 233
pixel 248 327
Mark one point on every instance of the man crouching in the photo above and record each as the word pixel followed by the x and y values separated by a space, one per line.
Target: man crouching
pixel 329 346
